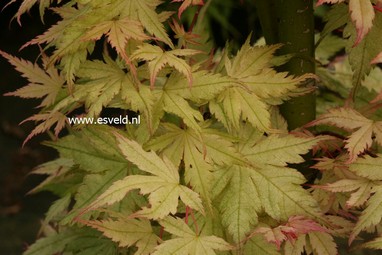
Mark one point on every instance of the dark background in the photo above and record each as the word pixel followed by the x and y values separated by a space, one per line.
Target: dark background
pixel 20 214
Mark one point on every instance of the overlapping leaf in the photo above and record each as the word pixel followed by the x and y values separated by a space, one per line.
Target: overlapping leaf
pixel 42 83
pixel 180 144
pixel 188 242
pixel 362 129
pixel 118 32
pixel 163 186
pixel 157 59
pixel 129 232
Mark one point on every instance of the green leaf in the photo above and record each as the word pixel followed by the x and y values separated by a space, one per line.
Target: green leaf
pixel 336 18
pixel 150 20
pixel 205 86
pixel 119 32
pixel 92 186
pixel 280 150
pixel 257 245
pixel 93 148
pixel 251 60
pixel 70 240
pixel 180 107
pixel 270 189
pixel 362 14
pixel 163 186
pixel 322 243
pixel 350 119
pixel 129 232
pixel 240 202
pixel 52 244
pixel 187 242
pixel 368 167
pixel 157 59
pixel 42 83
pixel 361 55
pixel 240 104
pixel 275 86
pixel 371 216
pixel 58 207
pixel 375 244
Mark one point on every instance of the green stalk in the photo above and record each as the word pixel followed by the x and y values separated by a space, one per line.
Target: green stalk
pixel 292 24
pixel 296 32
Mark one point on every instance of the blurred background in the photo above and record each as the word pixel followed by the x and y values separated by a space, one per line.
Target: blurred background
pixel 20 214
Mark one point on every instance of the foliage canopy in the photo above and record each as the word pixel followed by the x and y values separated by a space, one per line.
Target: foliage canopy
pixel 212 167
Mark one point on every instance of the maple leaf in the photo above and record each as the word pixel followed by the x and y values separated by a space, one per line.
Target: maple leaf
pixel 322 243
pixel 369 168
pixel 183 36
pixel 259 87
pixel 187 3
pixel 42 83
pixel 107 81
pixel 257 245
pixel 362 14
pixel 118 32
pixel 150 19
pixel 361 56
pixel 72 240
pixel 263 185
pixel 377 59
pixel 248 192
pixel 371 216
pixel 250 60
pixel 350 119
pixel 363 188
pixel 320 2
pixel 175 93
pixel 187 241
pixel 163 185
pixel 274 86
pixel 26 5
pixel 48 120
pixel 280 150
pixel 157 59
pixel 55 31
pixel 295 226
pixel 205 86
pixel 187 144
pixel 128 232
pixel 238 103
pixel 375 244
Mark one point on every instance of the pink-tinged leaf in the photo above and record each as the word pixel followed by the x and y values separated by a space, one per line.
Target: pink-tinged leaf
pixel 322 243
pixel 55 31
pixel 362 14
pixel 377 59
pixel 304 225
pixel 42 83
pixel 361 190
pixel 272 235
pixel 361 128
pixel 296 225
pixel 344 117
pixel 157 59
pixel 25 6
pixel 359 141
pixel 118 32
pixel 186 4
pixel 49 119
pixel 320 2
